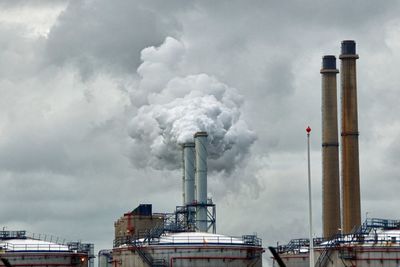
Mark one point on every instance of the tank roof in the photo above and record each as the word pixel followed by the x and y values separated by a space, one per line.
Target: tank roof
pixel 198 237
pixel 202 238
pixel 29 244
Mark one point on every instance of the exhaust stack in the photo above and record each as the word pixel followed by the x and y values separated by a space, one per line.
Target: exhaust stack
pixel 351 207
pixel 330 149
pixel 201 180
pixel 188 173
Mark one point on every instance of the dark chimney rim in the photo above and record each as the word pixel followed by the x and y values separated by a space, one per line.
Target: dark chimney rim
pixel 329 62
pixel 188 144
pixel 349 56
pixel 348 47
pixel 199 134
pixel 335 71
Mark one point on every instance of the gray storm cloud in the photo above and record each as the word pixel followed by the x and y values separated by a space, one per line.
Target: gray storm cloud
pixel 172 105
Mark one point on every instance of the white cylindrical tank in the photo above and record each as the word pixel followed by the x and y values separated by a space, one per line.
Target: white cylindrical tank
pixel 193 249
pixel 201 180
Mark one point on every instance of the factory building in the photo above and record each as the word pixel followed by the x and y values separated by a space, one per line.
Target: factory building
pixel 345 241
pixel 135 224
pixel 18 249
pixel 185 237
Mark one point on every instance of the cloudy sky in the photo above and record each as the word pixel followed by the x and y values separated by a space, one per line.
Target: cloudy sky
pixel 96 94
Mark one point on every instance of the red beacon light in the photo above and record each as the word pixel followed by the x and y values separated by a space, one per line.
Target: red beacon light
pixel 308 129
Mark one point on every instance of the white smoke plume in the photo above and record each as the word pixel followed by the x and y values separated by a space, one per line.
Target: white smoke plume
pixel 173 105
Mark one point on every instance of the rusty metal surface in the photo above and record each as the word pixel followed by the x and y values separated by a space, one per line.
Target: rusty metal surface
pixel 351 207
pixel 330 152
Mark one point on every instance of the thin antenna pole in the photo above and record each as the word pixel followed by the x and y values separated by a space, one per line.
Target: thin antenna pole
pixel 309 199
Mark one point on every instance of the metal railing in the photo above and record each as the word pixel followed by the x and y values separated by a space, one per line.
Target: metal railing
pixel 376 239
pixel 300 245
pixel 4 235
pixel 372 231
pixel 326 253
pixel 34 247
pixel 247 240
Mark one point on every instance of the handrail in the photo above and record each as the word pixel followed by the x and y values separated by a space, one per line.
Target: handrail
pixel 32 246
pixel 29 247
pixel 249 240
pixel 324 256
pixel 382 238
pixel 146 258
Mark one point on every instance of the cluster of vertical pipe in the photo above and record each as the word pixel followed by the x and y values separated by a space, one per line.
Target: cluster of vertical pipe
pixel 350 183
pixel 350 160
pixel 195 179
pixel 330 149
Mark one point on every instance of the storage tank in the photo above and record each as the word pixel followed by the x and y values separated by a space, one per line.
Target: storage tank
pixel 105 258
pixel 17 249
pixel 192 249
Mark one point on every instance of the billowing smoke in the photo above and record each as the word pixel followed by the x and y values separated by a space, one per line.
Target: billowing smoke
pixel 172 105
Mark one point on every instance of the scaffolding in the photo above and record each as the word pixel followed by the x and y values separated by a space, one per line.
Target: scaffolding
pixel 373 233
pixel 187 216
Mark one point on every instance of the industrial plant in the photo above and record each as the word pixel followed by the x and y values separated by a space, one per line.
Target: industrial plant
pixel 345 241
pixel 17 248
pixel 188 235
pixel 185 237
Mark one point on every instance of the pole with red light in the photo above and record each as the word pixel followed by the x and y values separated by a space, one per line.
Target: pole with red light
pixel 308 130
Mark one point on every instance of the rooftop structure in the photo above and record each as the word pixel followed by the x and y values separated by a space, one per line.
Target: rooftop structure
pixel 19 249
pixel 375 243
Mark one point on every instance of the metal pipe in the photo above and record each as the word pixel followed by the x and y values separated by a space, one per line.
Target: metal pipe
pixel 277 257
pixel 189 172
pixel 201 180
pixel 330 149
pixel 351 207
pixel 309 199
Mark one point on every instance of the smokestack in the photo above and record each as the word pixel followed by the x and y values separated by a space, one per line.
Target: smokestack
pixel 188 173
pixel 351 208
pixel 330 149
pixel 201 180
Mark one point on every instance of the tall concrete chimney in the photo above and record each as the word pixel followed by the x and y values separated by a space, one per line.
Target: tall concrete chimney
pixel 330 149
pixel 201 180
pixel 351 208
pixel 188 173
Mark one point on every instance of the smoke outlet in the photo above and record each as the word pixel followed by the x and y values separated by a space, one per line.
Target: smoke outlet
pixel 329 62
pixel 348 47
